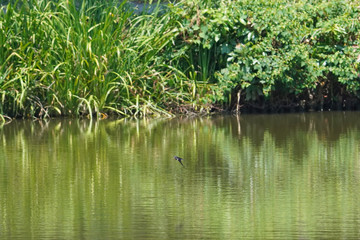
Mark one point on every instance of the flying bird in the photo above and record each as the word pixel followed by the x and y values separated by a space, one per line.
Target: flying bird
pixel 179 159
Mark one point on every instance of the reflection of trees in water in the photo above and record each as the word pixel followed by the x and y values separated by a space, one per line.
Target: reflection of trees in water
pixel 194 138
pixel 244 164
pixel 266 142
pixel 326 125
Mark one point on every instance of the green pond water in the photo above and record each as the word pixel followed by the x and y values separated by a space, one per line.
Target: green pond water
pixel 291 176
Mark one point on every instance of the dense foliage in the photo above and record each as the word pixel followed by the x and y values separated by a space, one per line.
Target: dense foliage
pixel 65 58
pixel 98 57
pixel 277 54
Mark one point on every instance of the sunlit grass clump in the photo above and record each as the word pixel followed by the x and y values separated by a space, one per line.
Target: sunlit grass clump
pixel 61 58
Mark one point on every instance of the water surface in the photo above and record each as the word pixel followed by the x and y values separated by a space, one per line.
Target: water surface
pixel 291 176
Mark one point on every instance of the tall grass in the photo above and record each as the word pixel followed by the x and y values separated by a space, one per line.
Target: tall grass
pixel 60 58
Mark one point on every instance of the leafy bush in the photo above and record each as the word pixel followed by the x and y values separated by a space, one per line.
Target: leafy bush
pixel 271 51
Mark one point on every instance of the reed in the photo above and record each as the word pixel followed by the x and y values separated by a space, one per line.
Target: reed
pixel 60 58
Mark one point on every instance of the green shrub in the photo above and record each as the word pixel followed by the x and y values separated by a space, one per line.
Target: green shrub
pixel 270 50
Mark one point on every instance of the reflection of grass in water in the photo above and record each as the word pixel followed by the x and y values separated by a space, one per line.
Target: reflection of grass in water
pixel 240 170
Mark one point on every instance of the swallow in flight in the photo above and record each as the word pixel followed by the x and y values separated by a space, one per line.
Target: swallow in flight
pixel 179 159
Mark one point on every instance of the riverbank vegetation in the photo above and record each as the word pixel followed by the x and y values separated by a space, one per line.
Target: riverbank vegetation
pixel 96 58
